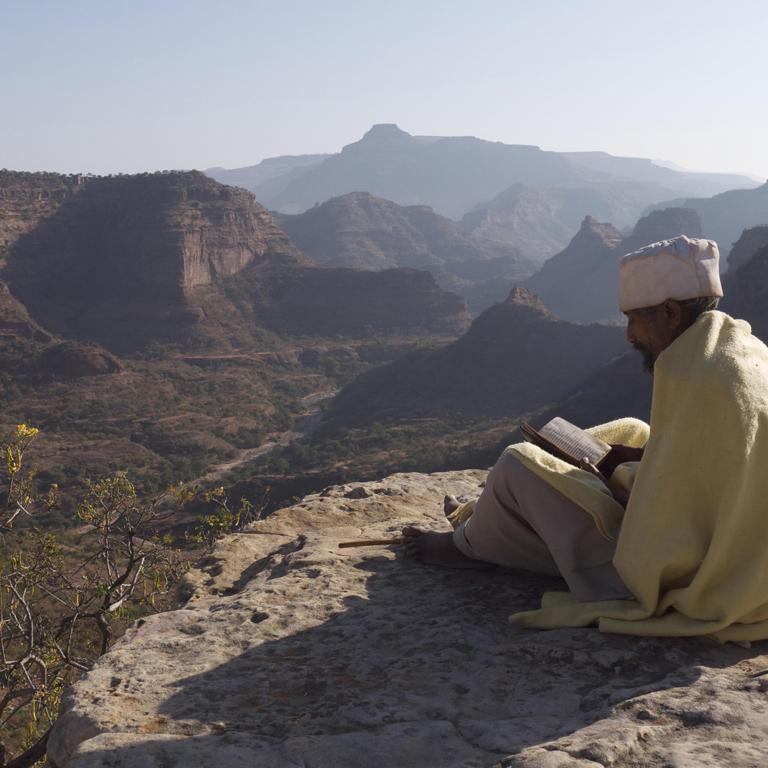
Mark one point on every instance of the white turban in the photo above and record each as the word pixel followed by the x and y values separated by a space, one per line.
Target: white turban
pixel 680 268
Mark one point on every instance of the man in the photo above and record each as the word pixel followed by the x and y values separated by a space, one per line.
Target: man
pixel 683 557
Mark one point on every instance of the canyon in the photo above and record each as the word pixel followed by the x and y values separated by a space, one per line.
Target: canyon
pixel 172 327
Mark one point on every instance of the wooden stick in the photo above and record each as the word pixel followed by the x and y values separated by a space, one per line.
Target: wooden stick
pixel 370 543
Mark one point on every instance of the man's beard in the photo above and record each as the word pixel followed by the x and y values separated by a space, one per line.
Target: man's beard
pixel 649 359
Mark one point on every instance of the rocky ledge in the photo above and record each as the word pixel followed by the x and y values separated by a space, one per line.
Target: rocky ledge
pixel 291 652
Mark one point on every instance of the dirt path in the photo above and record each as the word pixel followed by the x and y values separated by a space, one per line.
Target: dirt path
pixel 305 424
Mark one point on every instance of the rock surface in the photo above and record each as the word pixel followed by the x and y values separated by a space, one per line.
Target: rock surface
pixel 292 652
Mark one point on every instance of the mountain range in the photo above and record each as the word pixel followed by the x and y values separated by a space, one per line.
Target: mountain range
pixel 366 232
pixel 453 174
pixel 516 194
pixel 161 323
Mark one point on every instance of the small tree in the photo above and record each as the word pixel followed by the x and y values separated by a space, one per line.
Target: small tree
pixel 221 516
pixel 58 610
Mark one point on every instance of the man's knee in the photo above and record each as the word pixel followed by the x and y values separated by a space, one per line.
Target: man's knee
pixel 509 473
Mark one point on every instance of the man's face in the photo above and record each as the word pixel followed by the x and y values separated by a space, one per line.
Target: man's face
pixel 651 330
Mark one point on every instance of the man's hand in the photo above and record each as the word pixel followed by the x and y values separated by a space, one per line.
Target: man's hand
pixel 626 453
pixel 618 455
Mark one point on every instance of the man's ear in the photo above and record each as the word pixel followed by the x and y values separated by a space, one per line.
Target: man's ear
pixel 673 313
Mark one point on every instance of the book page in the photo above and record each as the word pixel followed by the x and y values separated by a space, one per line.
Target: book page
pixel 574 441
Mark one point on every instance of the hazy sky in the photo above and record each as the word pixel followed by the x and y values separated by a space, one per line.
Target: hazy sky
pixel 106 86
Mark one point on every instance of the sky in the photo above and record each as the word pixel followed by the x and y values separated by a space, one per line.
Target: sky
pixel 104 87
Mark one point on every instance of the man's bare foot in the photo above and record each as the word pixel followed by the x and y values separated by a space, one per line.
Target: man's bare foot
pixel 436 548
pixel 450 505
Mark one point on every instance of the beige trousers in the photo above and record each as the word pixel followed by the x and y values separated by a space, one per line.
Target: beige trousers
pixel 520 521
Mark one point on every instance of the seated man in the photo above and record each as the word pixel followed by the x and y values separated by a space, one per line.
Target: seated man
pixel 682 559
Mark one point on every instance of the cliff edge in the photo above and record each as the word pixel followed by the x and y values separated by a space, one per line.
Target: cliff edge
pixel 291 652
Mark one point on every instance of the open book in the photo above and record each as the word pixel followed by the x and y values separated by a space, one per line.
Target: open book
pixel 566 441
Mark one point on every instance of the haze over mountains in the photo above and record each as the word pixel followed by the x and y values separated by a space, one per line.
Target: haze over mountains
pixel 465 175
pixel 366 232
pixel 725 216
pixel 455 174
pixel 198 327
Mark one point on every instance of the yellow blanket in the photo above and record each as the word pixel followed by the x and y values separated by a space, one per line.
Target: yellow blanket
pixel 693 543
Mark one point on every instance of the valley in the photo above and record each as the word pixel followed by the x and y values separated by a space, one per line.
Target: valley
pixel 171 327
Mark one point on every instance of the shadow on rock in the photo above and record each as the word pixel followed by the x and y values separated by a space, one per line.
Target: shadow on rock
pixel 420 668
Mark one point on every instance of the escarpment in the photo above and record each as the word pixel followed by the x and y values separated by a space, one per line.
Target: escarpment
pixel 120 261
pixel 178 257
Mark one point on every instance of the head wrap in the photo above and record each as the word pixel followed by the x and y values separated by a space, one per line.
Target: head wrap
pixel 681 268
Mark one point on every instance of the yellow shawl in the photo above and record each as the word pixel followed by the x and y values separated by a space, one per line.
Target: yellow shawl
pixel 693 543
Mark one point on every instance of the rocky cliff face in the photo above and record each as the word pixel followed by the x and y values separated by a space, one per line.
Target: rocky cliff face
pixel 121 259
pixel 291 652
pixel 177 257
pixel 580 282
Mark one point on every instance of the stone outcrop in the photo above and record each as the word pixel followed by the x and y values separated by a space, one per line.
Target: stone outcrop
pixel 293 652
pixel 21 338
pixel 579 283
